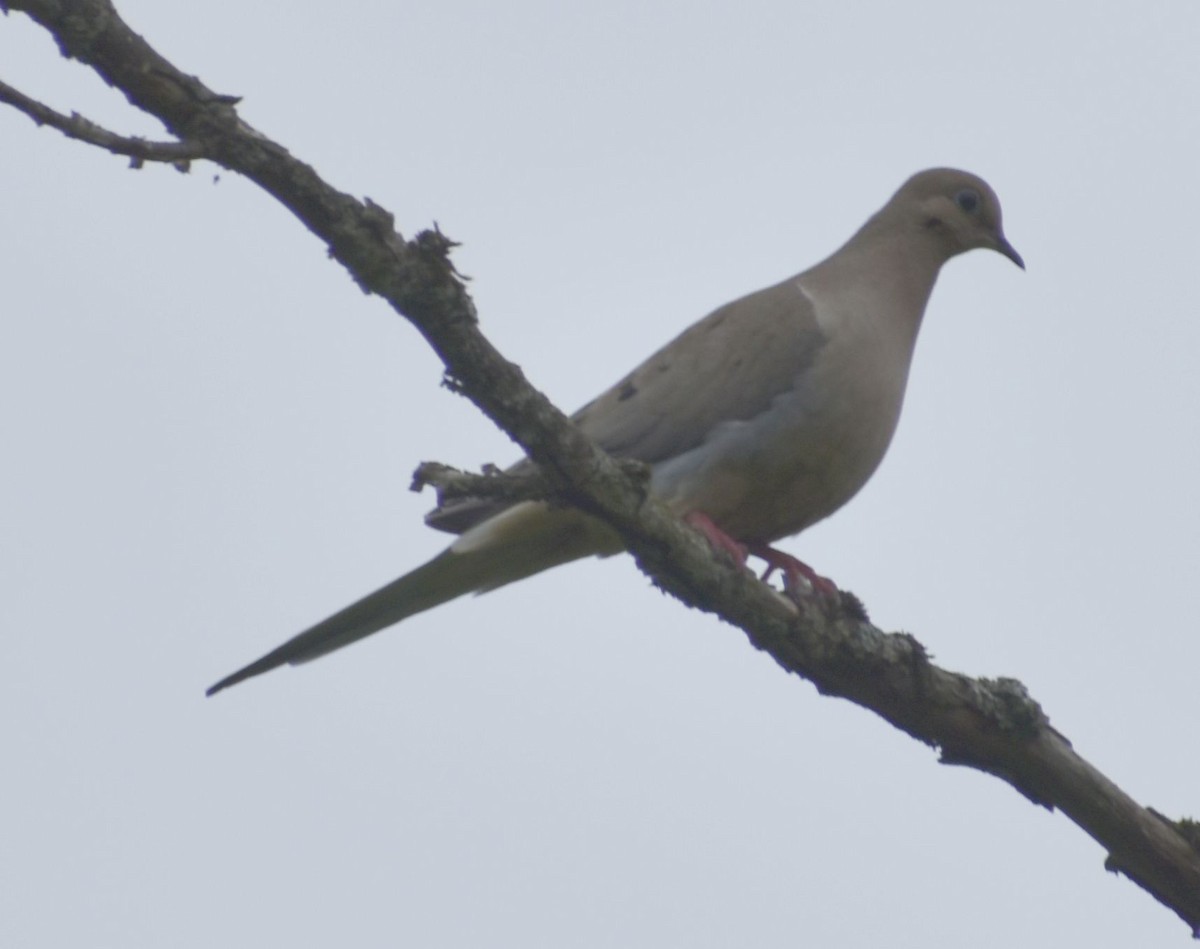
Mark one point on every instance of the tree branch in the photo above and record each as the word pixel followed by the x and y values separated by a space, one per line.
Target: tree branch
pixel 992 725
pixel 75 126
pixel 527 484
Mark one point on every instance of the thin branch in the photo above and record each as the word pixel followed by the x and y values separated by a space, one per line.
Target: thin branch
pixel 453 484
pixel 76 126
pixel 522 483
pixel 991 725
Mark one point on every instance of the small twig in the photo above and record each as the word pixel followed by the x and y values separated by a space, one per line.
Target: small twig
pixel 76 126
pixel 453 484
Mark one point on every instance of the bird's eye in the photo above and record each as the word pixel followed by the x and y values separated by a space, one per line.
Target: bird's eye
pixel 968 199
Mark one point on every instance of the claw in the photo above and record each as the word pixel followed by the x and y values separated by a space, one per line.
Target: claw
pixel 793 570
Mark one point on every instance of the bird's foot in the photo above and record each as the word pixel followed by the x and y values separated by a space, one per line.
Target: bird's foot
pixel 793 571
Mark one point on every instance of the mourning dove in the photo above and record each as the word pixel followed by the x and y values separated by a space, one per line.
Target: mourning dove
pixel 760 420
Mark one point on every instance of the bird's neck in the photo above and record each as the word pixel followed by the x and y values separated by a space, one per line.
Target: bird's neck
pixel 891 270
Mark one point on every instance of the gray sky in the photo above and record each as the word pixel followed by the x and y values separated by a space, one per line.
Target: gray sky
pixel 209 433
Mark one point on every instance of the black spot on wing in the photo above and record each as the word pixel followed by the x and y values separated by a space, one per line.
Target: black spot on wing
pixel 626 390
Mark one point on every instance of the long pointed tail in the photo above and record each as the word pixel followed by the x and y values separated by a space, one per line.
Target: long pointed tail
pixel 518 543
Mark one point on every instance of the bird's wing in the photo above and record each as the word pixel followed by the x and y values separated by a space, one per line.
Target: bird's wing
pixel 728 367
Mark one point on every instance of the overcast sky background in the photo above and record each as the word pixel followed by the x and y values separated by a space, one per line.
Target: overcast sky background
pixel 209 432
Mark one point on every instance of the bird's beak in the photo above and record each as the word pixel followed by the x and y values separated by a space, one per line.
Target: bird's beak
pixel 1007 249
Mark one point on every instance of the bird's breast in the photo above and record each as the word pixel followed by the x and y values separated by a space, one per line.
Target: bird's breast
pixel 811 451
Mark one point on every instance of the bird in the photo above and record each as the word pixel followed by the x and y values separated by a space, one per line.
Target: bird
pixel 756 422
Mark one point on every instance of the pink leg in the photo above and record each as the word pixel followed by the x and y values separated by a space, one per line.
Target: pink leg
pixel 717 537
pixel 791 568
